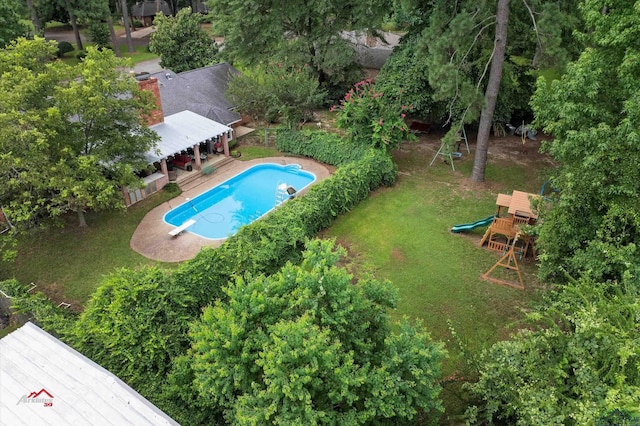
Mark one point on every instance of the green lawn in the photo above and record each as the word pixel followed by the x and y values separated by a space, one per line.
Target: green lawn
pixel 399 233
pixel 402 234
pixel 69 263
pixel 141 54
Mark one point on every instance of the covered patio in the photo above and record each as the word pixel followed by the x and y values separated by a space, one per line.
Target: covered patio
pixel 188 134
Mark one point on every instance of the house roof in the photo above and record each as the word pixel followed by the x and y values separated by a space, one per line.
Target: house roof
pixel 201 90
pixel 37 369
pixel 149 8
pixel 181 131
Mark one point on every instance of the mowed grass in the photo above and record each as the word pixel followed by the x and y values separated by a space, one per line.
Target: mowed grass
pixel 69 263
pixel 403 234
pixel 399 233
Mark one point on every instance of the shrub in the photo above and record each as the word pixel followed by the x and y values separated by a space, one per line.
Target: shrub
pixel 99 34
pixel 577 362
pixel 372 118
pixel 135 324
pixel 64 47
pixel 172 188
pixel 81 54
pixel 276 92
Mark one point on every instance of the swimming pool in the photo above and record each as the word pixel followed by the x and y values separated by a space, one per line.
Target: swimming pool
pixel 223 209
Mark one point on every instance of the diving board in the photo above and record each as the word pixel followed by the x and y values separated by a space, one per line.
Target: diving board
pixel 179 229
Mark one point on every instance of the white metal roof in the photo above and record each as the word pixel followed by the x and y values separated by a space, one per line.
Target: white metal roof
pixel 37 369
pixel 181 131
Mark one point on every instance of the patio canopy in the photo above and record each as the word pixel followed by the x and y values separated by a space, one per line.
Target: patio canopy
pixel 181 131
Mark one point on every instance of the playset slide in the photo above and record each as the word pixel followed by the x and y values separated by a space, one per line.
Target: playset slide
pixel 465 227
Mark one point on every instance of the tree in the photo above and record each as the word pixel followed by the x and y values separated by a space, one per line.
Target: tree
pixel 35 19
pixel 491 94
pixel 272 92
pixel 404 75
pixel 456 43
pixel 181 42
pixel 307 346
pixel 96 12
pixel 69 144
pixel 593 113
pixel 72 19
pixel 303 31
pixel 127 28
pixel 11 26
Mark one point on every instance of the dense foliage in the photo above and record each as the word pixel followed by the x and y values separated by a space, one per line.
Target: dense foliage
pixel 593 113
pixel 275 92
pixel 181 43
pixel 135 323
pixel 405 76
pixel 67 144
pixel 99 34
pixel 306 346
pixel 11 25
pixel 578 363
pixel 329 148
pixel 371 118
pixel 298 32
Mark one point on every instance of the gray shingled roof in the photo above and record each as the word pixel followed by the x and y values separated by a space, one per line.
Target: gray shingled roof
pixel 181 131
pixel 149 8
pixel 36 370
pixel 201 91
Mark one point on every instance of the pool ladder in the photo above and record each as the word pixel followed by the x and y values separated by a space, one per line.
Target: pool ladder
pixel 281 193
pixel 284 192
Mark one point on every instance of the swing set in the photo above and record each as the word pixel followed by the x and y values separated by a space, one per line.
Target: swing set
pixel 508 261
pixel 446 148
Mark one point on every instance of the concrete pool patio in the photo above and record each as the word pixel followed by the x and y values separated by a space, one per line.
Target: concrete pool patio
pixel 151 238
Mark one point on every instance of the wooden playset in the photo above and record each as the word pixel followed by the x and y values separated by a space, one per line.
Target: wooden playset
pixel 513 211
pixel 504 234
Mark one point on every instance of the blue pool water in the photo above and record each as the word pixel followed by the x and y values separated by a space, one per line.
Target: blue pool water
pixel 222 210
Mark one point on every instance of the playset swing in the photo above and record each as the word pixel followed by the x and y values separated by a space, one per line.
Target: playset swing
pixel 509 262
pixel 446 149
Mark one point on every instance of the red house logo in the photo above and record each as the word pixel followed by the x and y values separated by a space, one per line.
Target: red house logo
pixel 42 396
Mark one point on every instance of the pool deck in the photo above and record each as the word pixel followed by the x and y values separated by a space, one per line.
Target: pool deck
pixel 151 238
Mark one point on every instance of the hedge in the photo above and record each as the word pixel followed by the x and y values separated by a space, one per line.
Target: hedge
pixel 329 148
pixel 265 245
pixel 261 247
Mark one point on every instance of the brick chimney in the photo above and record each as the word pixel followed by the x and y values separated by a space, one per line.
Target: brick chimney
pixel 156 115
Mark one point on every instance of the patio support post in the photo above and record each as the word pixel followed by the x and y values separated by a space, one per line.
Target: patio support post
pixel 163 167
pixel 196 152
pixel 225 144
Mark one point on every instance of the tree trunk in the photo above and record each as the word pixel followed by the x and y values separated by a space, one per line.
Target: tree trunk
pixel 74 25
pixel 491 94
pixel 37 28
pixel 127 29
pixel 81 219
pixel 114 38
